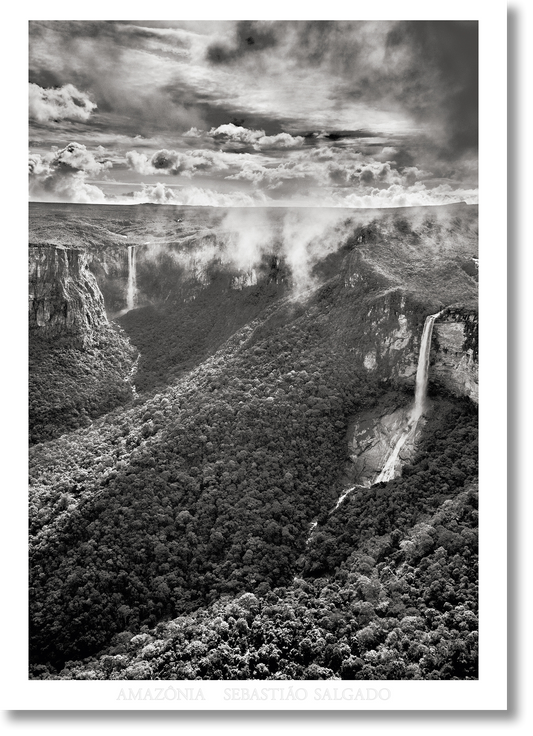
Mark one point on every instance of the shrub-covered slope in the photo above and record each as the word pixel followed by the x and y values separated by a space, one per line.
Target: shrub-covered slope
pixel 70 385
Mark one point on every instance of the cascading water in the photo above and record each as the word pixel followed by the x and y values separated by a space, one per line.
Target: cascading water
pixel 408 431
pixel 132 278
pixel 389 469
pixel 423 367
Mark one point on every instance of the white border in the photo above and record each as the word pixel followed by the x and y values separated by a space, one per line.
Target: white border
pixel 490 692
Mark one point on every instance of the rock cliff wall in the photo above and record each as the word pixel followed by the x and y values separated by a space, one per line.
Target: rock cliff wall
pixel 393 330
pixel 455 346
pixel 64 298
pixel 396 331
pixel 81 366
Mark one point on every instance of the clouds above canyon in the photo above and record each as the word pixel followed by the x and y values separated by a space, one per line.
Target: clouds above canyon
pixel 307 112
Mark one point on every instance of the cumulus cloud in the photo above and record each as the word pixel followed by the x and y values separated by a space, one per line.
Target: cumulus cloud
pixel 61 189
pixel 281 140
pixel 271 175
pixel 75 157
pixel 173 162
pixel 348 170
pixel 325 175
pixel 238 136
pixel 254 172
pixel 62 175
pixel 64 103
pixel 387 153
pixel 193 133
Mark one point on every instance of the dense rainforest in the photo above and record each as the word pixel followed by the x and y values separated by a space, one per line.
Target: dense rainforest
pixel 192 529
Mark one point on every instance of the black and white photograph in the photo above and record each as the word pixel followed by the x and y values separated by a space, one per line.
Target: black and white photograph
pixel 254 265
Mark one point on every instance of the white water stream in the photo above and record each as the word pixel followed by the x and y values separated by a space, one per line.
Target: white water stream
pixel 423 367
pixel 389 469
pixel 131 297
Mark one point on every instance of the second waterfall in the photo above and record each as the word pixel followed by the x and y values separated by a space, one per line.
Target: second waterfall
pixel 131 296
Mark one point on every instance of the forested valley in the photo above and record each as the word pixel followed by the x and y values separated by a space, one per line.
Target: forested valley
pixel 184 519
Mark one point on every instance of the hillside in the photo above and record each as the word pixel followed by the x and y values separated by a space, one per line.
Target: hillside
pixel 175 536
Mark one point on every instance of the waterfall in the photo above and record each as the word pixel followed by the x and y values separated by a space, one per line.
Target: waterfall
pixel 423 367
pixel 389 469
pixel 132 278
pixel 341 498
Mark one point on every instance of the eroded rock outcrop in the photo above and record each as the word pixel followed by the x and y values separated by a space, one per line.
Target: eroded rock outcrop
pixel 64 298
pixel 392 334
pixel 80 364
pixel 371 438
pixel 455 363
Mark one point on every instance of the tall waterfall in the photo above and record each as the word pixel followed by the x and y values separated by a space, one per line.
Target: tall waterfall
pixel 132 278
pixel 423 367
pixel 389 469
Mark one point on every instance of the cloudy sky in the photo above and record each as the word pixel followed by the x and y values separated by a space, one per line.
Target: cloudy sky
pixel 327 113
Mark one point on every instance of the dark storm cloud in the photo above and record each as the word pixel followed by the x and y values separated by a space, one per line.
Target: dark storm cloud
pixel 429 69
pixel 437 82
pixel 249 37
pixel 447 70
pixel 312 43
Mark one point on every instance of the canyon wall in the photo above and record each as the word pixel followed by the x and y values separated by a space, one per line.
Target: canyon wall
pixel 64 298
pixel 81 366
pixel 455 352
pixel 393 329
pixel 396 332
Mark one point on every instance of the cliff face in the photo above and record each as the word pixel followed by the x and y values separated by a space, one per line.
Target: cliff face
pixel 395 330
pixel 456 352
pixel 64 298
pixel 167 275
pixel 370 440
pixel 80 365
pixel 389 324
pixel 390 336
